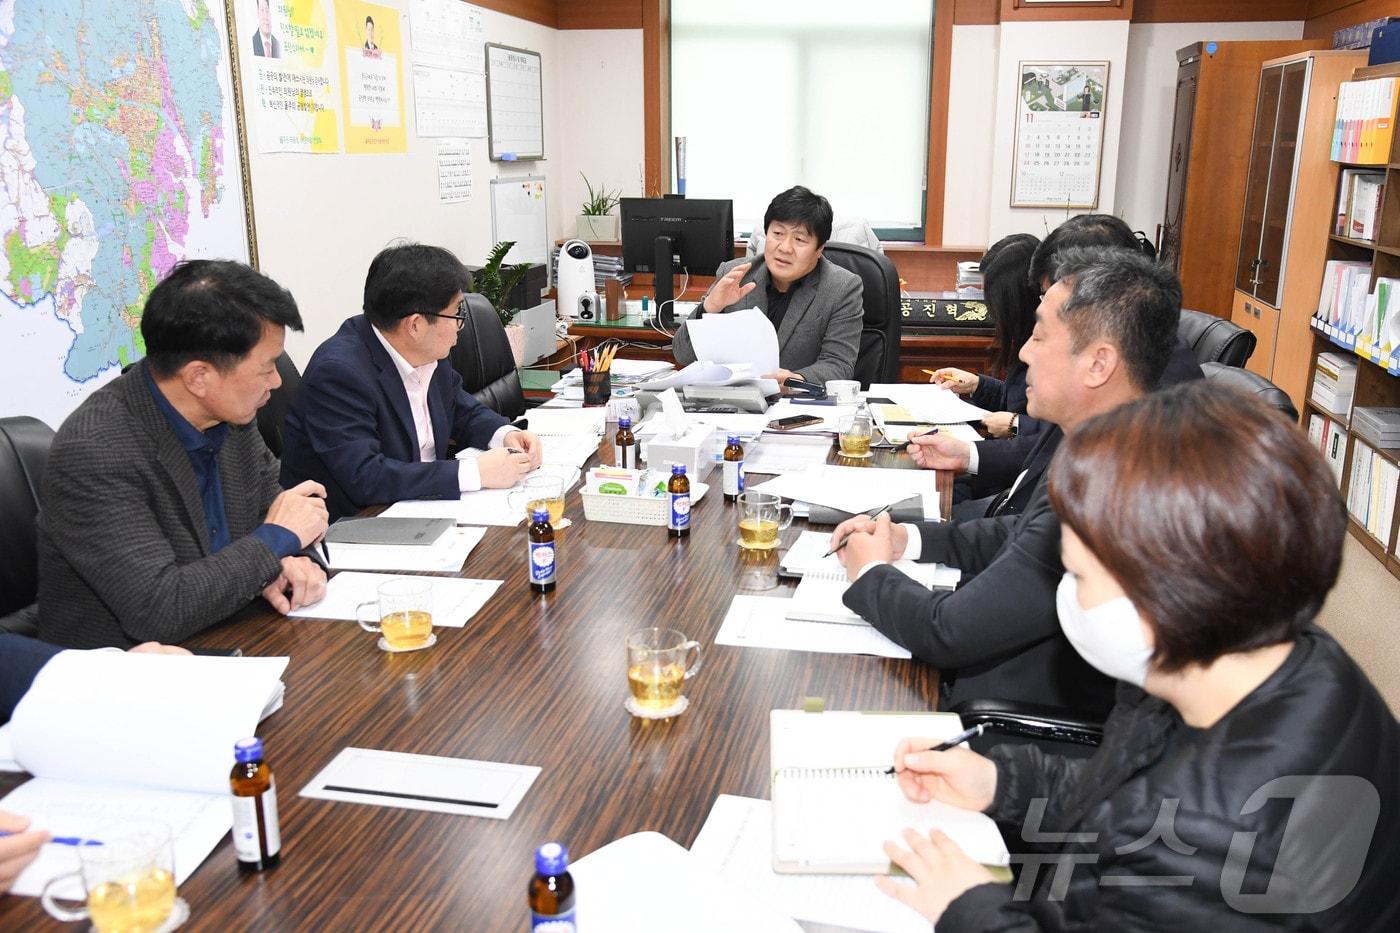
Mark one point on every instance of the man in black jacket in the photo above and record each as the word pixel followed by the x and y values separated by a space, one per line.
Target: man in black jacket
pixel 1102 337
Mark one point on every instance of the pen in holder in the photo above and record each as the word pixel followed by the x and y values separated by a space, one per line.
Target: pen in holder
pixel 597 387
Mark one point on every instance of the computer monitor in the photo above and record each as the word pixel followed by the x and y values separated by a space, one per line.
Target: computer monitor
pixel 661 234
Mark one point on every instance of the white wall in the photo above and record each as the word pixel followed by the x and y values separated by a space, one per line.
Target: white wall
pixel 971 135
pixel 321 218
pixel 1151 102
pixel 602 116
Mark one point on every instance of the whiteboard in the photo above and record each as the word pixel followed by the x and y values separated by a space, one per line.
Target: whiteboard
pixel 518 213
pixel 514 103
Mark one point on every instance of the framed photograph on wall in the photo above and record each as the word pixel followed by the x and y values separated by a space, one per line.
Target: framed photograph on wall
pixel 1059 134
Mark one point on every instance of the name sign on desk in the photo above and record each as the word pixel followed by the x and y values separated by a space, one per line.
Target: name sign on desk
pixel 423 782
pixel 947 315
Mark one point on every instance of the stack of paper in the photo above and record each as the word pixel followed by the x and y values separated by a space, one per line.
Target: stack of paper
pixel 778 454
pixel 483 507
pixel 447 555
pixel 929 403
pixel 762 622
pixel 818 596
pixel 856 489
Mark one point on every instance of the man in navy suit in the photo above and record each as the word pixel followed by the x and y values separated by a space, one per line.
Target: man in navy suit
pixel 376 413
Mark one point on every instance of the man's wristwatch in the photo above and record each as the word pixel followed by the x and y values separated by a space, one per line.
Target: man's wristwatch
pixel 1015 423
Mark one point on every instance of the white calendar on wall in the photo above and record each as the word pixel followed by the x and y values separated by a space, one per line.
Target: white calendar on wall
pixel 1059 134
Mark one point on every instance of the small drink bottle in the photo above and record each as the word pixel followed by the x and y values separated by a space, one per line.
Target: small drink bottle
pixel 733 469
pixel 543 556
pixel 678 491
pixel 256 838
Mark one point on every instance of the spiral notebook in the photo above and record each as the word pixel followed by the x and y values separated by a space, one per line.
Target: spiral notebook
pixel 834 805
pixel 818 595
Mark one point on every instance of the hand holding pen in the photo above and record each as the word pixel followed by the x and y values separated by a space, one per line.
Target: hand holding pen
pixel 931 770
pixel 850 529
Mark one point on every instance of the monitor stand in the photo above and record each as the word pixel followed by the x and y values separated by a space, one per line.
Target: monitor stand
pixel 663 269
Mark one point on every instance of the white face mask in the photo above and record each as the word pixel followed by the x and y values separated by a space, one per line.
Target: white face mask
pixel 1110 637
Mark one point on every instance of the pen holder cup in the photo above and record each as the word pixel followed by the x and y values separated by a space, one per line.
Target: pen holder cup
pixel 597 388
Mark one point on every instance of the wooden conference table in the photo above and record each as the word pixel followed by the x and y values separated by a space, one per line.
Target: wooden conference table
pixel 536 680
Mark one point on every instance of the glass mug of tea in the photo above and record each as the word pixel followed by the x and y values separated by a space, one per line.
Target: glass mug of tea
pixel 659 662
pixel 126 875
pixel 853 434
pixel 541 492
pixel 405 613
pixel 761 516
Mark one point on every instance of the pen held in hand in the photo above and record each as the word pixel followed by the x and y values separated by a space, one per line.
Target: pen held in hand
pixel 838 547
pixel 905 445
pixel 954 742
pixel 62 840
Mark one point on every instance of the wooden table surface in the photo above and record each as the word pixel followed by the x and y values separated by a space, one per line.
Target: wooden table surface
pixel 536 680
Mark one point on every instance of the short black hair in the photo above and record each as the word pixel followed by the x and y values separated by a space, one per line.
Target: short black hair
pixel 212 310
pixel 799 205
pixel 1123 296
pixel 1011 300
pixel 1083 230
pixel 369 20
pixel 412 278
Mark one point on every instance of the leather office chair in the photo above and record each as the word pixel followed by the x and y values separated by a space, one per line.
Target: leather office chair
pixel 273 415
pixel 878 357
pixel 1253 383
pixel 24 451
pixel 484 359
pixel 1215 340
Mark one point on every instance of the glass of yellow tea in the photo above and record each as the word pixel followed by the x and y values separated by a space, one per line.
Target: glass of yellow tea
pixel 659 662
pixel 125 882
pixel 405 613
pixel 853 434
pixel 761 516
pixel 541 492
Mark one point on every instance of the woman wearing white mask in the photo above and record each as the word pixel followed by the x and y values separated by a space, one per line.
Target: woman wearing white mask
pixel 1249 775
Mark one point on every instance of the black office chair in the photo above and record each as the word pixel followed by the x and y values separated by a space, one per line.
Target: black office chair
pixel 878 358
pixel 24 451
pixel 273 415
pixel 1215 340
pixel 484 359
pixel 1253 383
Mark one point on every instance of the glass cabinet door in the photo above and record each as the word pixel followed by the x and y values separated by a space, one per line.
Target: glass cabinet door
pixel 1280 201
pixel 1257 189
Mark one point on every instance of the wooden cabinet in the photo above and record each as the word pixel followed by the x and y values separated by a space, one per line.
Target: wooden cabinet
pixel 1287 209
pixel 1216 90
pixel 1261 321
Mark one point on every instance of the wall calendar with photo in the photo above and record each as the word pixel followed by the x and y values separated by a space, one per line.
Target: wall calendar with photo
pixel 1059 134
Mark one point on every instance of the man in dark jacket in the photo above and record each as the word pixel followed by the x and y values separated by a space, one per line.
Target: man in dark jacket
pixel 1102 337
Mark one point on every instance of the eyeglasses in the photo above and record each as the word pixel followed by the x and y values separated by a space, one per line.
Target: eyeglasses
pixel 460 317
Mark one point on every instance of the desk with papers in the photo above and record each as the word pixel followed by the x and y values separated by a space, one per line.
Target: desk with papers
pixel 527 680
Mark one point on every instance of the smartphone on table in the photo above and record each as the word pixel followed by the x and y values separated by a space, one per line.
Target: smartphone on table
pixel 793 421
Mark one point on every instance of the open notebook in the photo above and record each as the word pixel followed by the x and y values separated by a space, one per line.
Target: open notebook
pixel 818 595
pixel 834 805
pixel 111 736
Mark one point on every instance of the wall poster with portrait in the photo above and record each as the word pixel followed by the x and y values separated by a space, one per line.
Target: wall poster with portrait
pixel 1060 116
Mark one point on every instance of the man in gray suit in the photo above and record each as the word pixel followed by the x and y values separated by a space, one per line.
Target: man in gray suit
pixel 814 304
pixel 160 511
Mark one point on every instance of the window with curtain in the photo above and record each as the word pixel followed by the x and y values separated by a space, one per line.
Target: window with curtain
pixel 829 94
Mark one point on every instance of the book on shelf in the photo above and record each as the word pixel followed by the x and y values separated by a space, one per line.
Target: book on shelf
pixel 1371 493
pixel 1380 426
pixel 834 804
pixel 1334 381
pixel 1365 123
pixel 1344 297
pixel 1359 195
pixel 1329 437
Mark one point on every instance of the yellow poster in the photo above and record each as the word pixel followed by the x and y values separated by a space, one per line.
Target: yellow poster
pixel 294 105
pixel 371 76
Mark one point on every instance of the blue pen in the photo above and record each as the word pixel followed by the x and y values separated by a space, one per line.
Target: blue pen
pixel 62 840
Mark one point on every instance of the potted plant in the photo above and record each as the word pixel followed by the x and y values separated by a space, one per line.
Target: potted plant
pixel 495 282
pixel 596 221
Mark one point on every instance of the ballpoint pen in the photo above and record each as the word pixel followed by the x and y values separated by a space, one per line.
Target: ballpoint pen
pixel 954 742
pixel 838 547
pixel 63 840
pixel 905 445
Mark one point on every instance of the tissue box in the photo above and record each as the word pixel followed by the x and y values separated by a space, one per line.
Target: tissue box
pixel 691 449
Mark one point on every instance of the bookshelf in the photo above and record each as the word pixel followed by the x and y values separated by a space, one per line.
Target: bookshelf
pixel 1377 363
